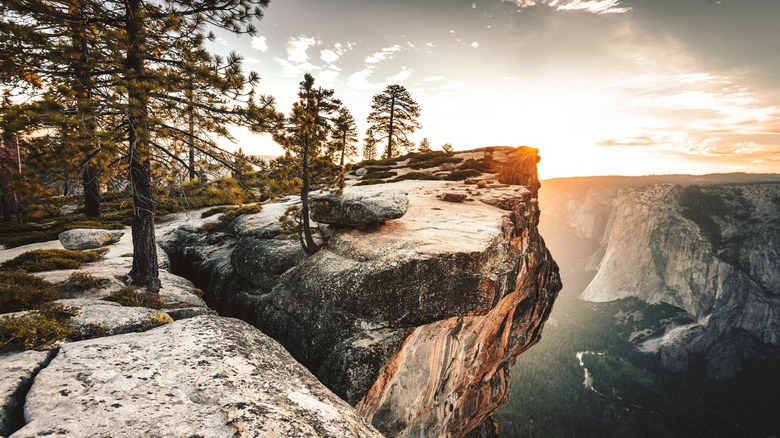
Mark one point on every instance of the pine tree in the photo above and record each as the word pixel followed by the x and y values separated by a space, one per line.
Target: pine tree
pixel 308 129
pixel 57 45
pixel 369 146
pixel 447 148
pixel 425 146
pixel 345 135
pixel 394 115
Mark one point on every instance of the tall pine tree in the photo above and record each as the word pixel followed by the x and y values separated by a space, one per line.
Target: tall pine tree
pixel 394 115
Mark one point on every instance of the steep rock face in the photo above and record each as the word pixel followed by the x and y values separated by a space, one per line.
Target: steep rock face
pixel 416 322
pixel 712 250
pixel 206 376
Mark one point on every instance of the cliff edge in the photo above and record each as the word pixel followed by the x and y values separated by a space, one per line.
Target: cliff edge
pixel 416 321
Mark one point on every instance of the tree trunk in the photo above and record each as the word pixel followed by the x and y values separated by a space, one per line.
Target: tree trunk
pixel 343 148
pixel 91 182
pixel 390 130
pixel 85 133
pixel 144 272
pixel 310 246
pixel 191 130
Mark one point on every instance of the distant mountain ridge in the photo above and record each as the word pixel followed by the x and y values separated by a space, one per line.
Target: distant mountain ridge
pixel 708 244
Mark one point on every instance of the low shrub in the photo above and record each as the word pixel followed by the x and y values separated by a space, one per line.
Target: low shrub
pixel 229 216
pixel 155 320
pixel 371 181
pixel 459 175
pixel 22 291
pixel 416 176
pixel 40 260
pixel 484 165
pixel 131 296
pixel 379 175
pixel 80 282
pixel 435 162
pixel 37 329
pixel 215 210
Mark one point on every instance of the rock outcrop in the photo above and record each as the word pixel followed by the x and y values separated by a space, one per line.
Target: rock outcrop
pixel 352 210
pixel 206 376
pixel 712 249
pixel 416 322
pixel 84 238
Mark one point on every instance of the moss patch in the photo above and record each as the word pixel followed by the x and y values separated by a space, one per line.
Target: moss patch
pixel 131 296
pixel 22 291
pixel 38 329
pixel 40 260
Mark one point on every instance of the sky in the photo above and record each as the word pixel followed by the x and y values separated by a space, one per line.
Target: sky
pixel 601 87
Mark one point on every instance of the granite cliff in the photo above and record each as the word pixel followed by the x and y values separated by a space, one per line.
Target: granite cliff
pixel 709 245
pixel 415 321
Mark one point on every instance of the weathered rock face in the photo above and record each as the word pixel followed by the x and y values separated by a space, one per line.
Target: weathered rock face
pixel 206 376
pixel 354 210
pixel 521 170
pixel 83 238
pixel 416 322
pixel 712 250
pixel 18 371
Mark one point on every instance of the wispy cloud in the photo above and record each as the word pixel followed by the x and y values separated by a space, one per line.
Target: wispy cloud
pixel 297 47
pixel 359 79
pixel 594 6
pixel 258 43
pixel 295 70
pixel 384 54
pixel 433 78
pixel 403 75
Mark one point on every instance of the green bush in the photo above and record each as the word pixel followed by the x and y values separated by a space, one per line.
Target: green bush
pixel 222 224
pixel 83 281
pixel 417 176
pixel 459 175
pixel 484 165
pixel 131 296
pixel 379 175
pixel 370 182
pixel 215 210
pixel 40 260
pixel 434 162
pixel 22 291
pixel 37 329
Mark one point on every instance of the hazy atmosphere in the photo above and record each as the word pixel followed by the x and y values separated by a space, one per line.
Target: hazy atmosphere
pixel 601 87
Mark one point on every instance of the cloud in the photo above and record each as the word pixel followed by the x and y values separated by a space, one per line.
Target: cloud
pixel 290 70
pixel 433 78
pixel 384 54
pixel 593 6
pixel 297 47
pixel 402 75
pixel 328 76
pixel 359 79
pixel 222 41
pixel 474 44
pixel 258 43
pixel 252 60
pixel 329 56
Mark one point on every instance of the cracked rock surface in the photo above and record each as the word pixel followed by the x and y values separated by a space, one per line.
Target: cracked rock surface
pixel 205 376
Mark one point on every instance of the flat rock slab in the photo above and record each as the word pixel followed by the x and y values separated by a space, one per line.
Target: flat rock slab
pixel 17 371
pixel 83 238
pixel 355 210
pixel 97 318
pixel 206 376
